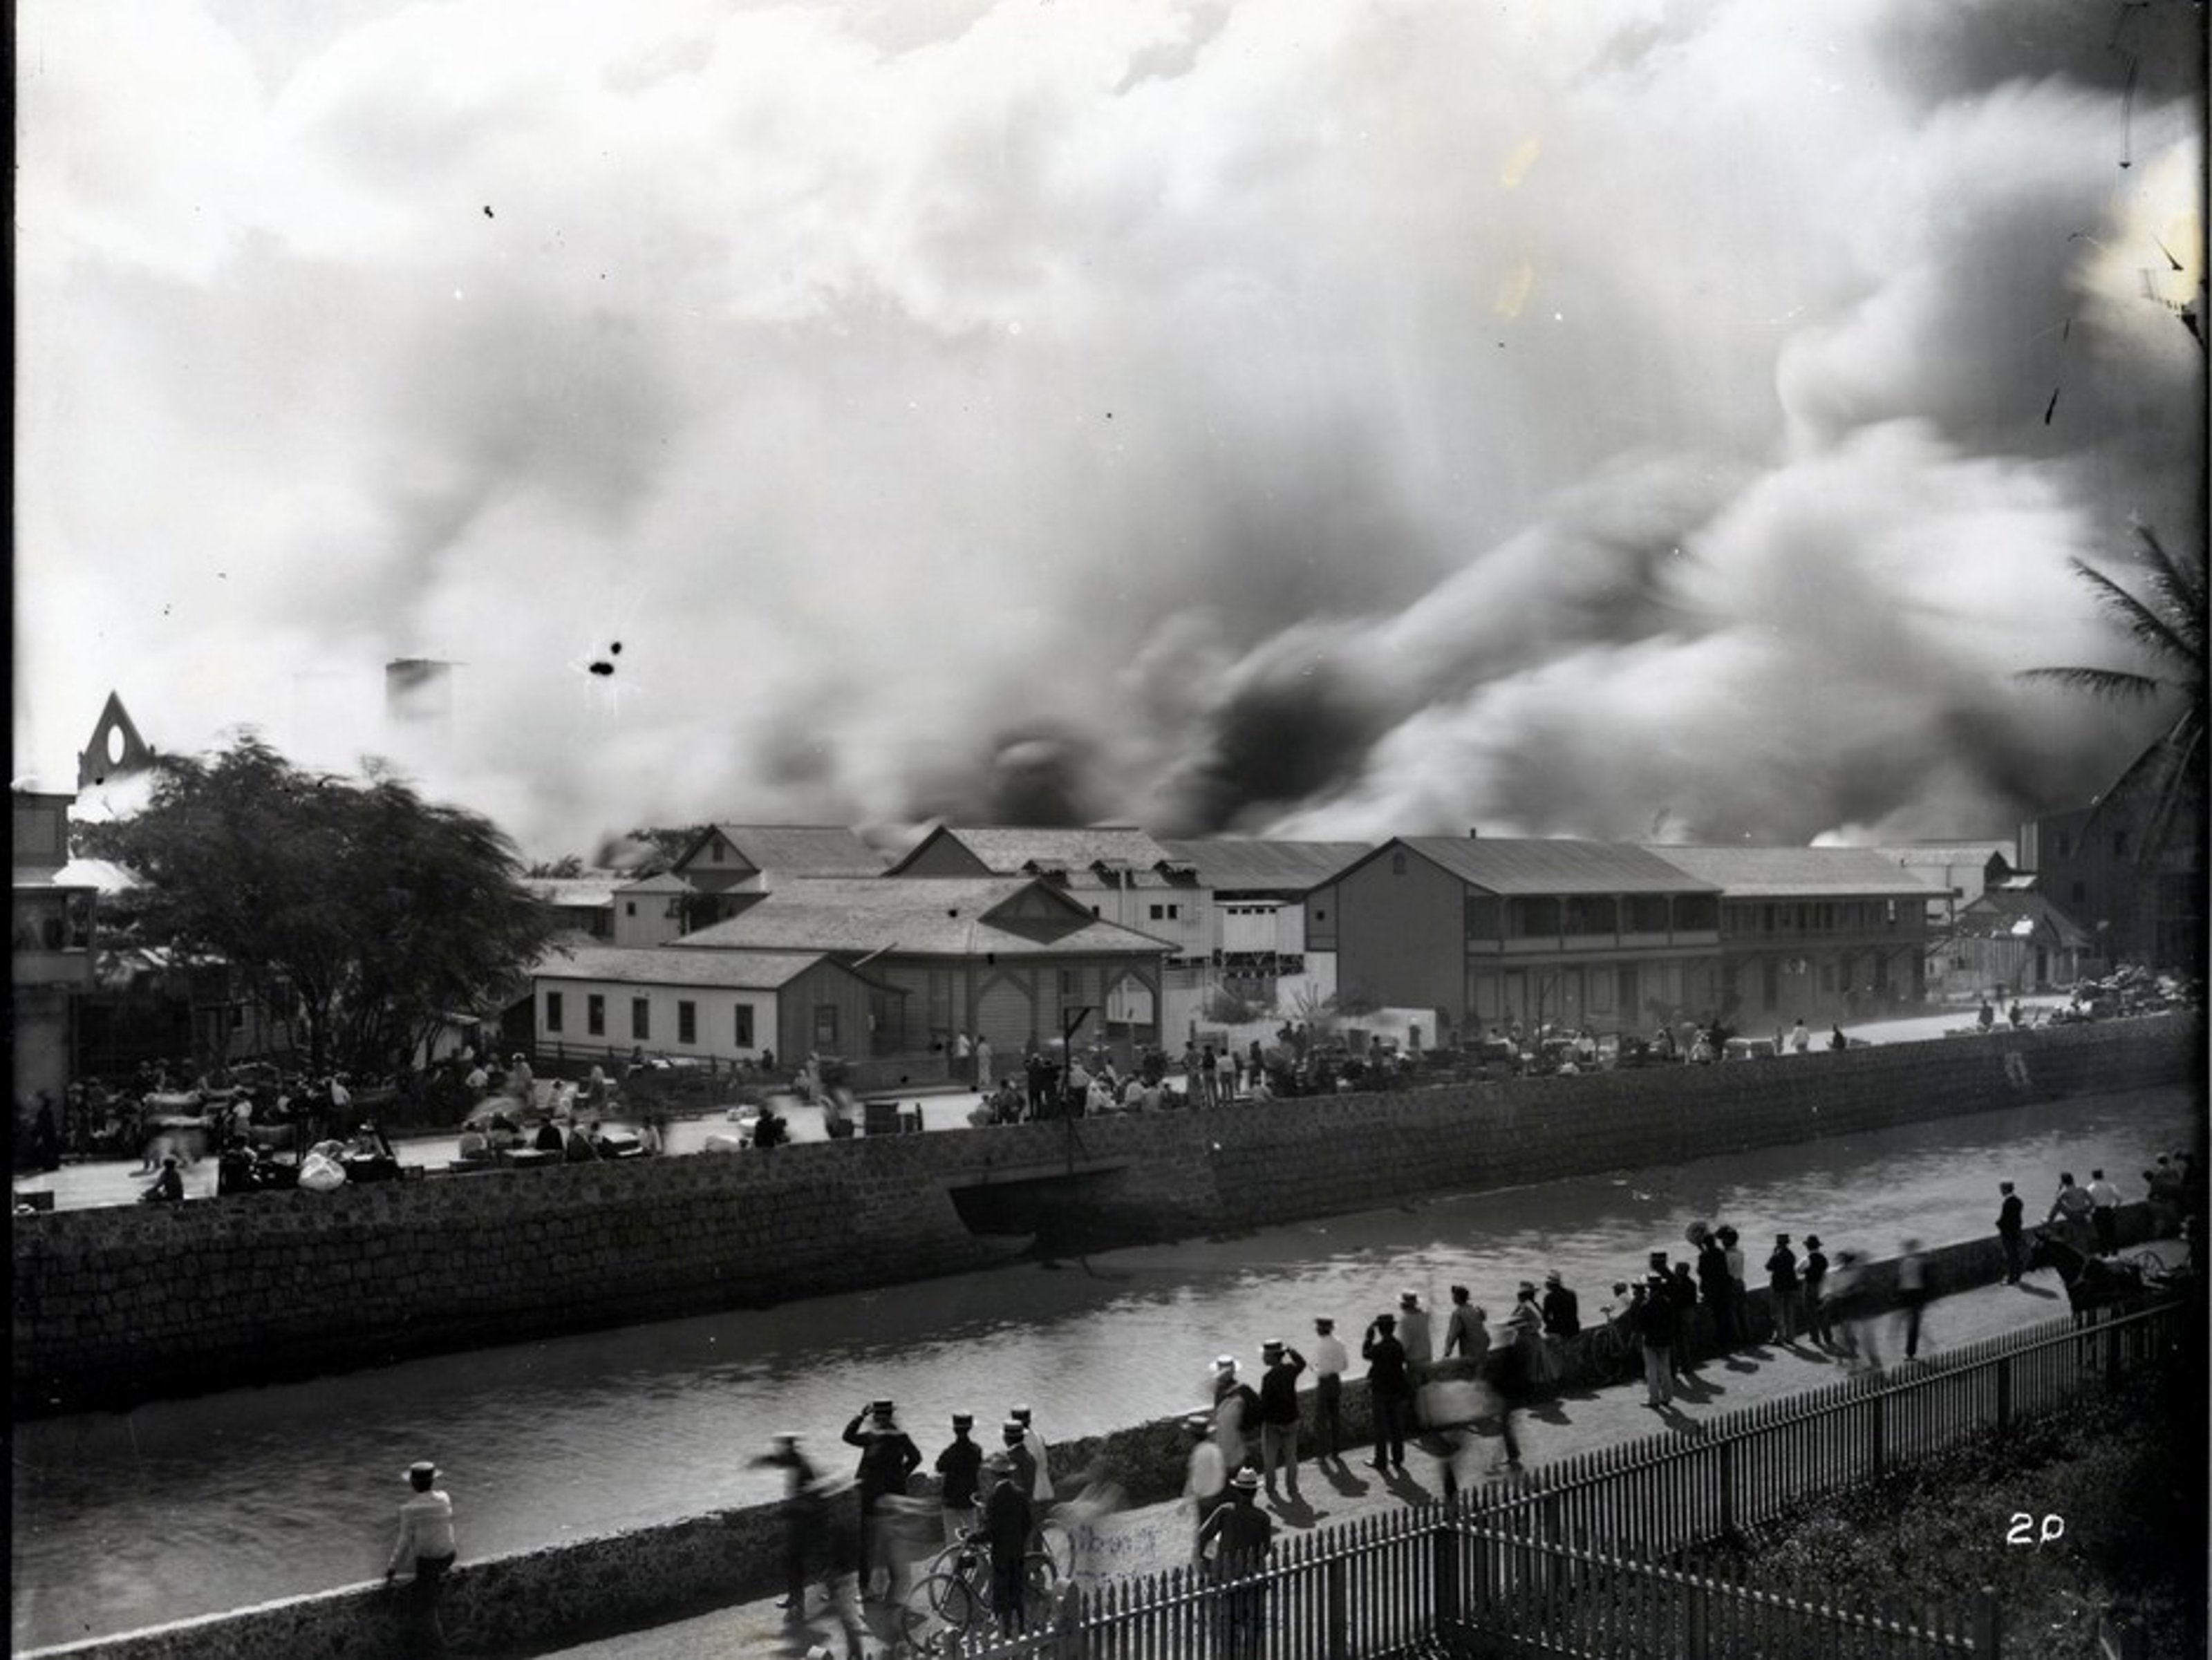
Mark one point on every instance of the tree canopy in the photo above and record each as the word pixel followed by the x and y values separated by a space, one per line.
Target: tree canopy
pixel 355 906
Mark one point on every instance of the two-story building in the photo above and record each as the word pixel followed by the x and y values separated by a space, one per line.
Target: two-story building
pixel 1821 934
pixel 2141 903
pixel 1115 872
pixel 1016 959
pixel 51 961
pixel 1255 943
pixel 1488 931
pixel 727 865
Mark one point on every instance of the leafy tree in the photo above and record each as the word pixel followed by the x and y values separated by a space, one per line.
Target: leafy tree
pixel 2169 626
pixel 568 865
pixel 356 905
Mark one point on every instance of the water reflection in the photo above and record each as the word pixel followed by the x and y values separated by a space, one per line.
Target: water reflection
pixel 185 1507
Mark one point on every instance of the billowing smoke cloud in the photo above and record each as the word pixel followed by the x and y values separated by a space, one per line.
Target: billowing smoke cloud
pixel 1327 416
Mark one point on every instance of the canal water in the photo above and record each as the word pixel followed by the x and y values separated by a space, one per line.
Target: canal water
pixel 193 1507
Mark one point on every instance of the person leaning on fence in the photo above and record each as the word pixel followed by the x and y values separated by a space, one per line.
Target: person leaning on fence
pixel 1234 1546
pixel 425 1547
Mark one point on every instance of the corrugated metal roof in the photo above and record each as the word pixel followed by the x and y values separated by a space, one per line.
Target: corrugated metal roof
pixel 1945 854
pixel 573 891
pixel 734 971
pixel 926 916
pixel 1007 849
pixel 1757 873
pixel 1229 866
pixel 1503 865
pixel 802 850
pixel 2001 911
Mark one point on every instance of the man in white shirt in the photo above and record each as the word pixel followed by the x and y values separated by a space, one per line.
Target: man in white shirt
pixel 1328 1361
pixel 426 1546
pixel 2105 1213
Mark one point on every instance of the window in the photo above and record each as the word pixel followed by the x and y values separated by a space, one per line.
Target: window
pixel 641 1019
pixel 1889 908
pixel 1531 918
pixel 1397 865
pixel 553 1011
pixel 826 1027
pixel 2119 844
pixel 629 907
pixel 1094 909
pixel 595 1014
pixel 714 851
pixel 1071 982
pixel 238 1017
pixel 1647 914
pixel 1483 916
pixel 687 1022
pixel 741 1028
pixel 1162 913
pixel 2061 839
pixel 1697 911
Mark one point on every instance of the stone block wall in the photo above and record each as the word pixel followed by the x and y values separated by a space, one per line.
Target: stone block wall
pixel 114 1305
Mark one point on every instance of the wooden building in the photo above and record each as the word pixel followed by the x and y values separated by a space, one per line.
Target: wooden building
pixel 726 1005
pixel 1014 957
pixel 1489 931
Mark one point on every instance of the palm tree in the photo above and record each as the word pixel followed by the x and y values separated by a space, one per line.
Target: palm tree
pixel 2168 623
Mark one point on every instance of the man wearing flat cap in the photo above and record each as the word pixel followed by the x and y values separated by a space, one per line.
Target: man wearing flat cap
pixel 426 1546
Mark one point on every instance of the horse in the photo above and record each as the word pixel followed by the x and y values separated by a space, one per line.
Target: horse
pixel 2090 1283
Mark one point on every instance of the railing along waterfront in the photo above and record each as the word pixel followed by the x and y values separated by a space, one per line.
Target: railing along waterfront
pixel 1559 1563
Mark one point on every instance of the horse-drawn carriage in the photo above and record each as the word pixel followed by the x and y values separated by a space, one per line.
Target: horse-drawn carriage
pixel 2094 1284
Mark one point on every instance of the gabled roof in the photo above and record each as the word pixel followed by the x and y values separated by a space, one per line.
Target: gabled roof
pixel 1776 872
pixel 1228 865
pixel 733 971
pixel 665 882
pixel 1008 850
pixel 923 916
pixel 1512 866
pixel 2018 913
pixel 793 850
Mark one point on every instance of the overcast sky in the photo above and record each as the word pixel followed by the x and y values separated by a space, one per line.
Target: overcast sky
pixel 1337 416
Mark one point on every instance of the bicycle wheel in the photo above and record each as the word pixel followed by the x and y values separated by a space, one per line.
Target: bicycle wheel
pixel 1057 1546
pixel 939 1605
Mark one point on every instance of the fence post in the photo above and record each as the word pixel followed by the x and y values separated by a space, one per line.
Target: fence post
pixel 1726 1464
pixel 2004 1393
pixel 1337 1613
pixel 1444 1563
pixel 1068 1642
pixel 2112 1355
pixel 1697 1639
pixel 1877 1450
pixel 1988 1625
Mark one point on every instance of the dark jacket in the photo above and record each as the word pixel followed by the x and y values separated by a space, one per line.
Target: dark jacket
pixel 1385 1365
pixel 1654 1318
pixel 2009 1214
pixel 1278 1388
pixel 1816 1270
pixel 1006 1521
pixel 1712 1272
pixel 886 1459
pixel 1562 1312
pixel 1781 1269
pixel 961 1464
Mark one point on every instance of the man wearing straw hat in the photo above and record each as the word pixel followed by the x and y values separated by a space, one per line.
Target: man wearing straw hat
pixel 426 1545
pixel 1241 1534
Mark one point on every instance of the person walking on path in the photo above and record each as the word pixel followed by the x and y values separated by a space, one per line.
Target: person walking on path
pixel 1235 1413
pixel 2009 1231
pixel 1278 1415
pixel 1912 1293
pixel 1815 1284
pixel 1206 1476
pixel 1655 1330
pixel 804 1523
pixel 982 1063
pixel 888 1456
pixel 1239 1535
pixel 960 1467
pixel 1848 1296
pixel 2105 1213
pixel 425 1547
pixel 1390 1388
pixel 1782 1289
pixel 1329 1362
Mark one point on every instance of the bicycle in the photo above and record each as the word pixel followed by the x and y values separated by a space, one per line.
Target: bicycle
pixel 955 1594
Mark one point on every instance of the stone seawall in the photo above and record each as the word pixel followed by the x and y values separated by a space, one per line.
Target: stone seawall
pixel 117 1305
pixel 564 1593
